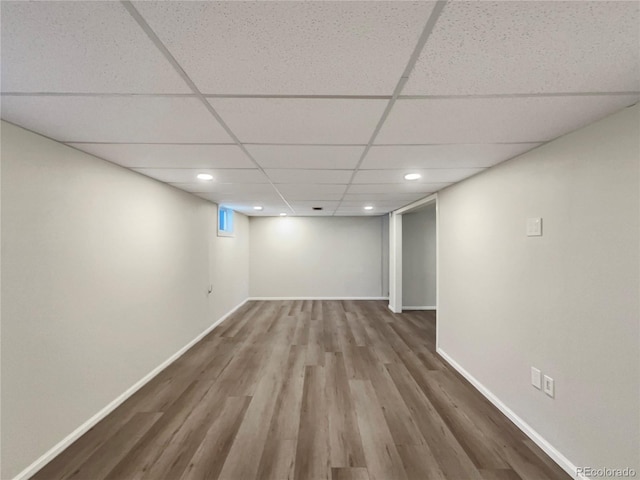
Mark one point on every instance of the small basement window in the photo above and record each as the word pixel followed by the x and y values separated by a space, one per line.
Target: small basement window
pixel 225 222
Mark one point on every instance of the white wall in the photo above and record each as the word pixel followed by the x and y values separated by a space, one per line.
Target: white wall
pixel 316 256
pixel 419 258
pixel 104 277
pixel 566 302
pixel 385 255
pixel 1 304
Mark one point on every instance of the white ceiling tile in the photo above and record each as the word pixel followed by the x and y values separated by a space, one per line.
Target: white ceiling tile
pixel 115 119
pixel 312 213
pixel 441 156
pixel 80 47
pixel 530 47
pixel 494 120
pixel 271 206
pixel 360 208
pixel 308 210
pixel 271 209
pixel 381 176
pixel 434 175
pixel 347 213
pixel 382 202
pixel 169 156
pixel 296 120
pixel 366 198
pixel 372 188
pixel 225 198
pixel 359 204
pixel 185 175
pixel 321 197
pixel 270 212
pixel 298 191
pixel 302 205
pixel 336 48
pixel 253 189
pixel 359 211
pixel 306 156
pixel 310 176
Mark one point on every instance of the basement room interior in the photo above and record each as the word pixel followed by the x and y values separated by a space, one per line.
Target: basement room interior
pixel 319 240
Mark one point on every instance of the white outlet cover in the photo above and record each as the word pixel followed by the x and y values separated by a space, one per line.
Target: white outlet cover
pixel 534 227
pixel 536 378
pixel 549 388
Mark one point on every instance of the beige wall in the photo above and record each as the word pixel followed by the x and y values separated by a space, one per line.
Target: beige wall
pixel 317 256
pixel 566 302
pixel 104 277
pixel 419 258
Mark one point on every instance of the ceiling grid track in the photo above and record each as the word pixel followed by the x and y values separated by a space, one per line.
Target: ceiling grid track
pixel 424 36
pixel 66 142
pixel 178 68
pixel 518 95
pixel 325 97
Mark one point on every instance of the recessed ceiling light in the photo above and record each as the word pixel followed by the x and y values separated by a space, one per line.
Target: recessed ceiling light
pixel 257 207
pixel 283 214
pixel 412 176
pixel 205 176
pixel 368 207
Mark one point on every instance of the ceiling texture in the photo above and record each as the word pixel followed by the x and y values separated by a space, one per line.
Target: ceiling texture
pixel 295 105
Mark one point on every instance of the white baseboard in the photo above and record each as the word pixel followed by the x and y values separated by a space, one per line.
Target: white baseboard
pixel 549 449
pixel 419 308
pixel 82 429
pixel 391 308
pixel 318 298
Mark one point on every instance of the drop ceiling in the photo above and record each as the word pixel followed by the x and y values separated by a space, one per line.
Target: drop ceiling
pixel 294 105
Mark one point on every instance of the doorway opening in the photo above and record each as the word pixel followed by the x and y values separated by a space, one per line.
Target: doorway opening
pixel 413 256
pixel 419 258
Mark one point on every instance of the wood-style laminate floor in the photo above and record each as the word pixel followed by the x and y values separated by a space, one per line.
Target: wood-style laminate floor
pixel 309 390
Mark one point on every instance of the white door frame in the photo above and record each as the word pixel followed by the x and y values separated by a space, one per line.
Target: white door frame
pixel 395 251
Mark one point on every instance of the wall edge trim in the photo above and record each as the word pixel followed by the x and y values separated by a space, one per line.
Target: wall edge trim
pixel 538 439
pixel 58 448
pixel 317 298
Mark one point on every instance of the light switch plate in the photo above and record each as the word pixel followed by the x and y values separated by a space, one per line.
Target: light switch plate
pixel 549 386
pixel 536 378
pixel 534 227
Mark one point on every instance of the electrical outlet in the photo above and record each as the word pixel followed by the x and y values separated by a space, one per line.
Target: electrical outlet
pixel 549 388
pixel 536 378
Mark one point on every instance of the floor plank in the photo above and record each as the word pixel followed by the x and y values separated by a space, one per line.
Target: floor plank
pixel 208 460
pixel 312 453
pixel 449 453
pixel 383 459
pixel 308 390
pixel 349 474
pixel 278 456
pixel 419 462
pixel 344 435
pixel 244 457
pixel 105 458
